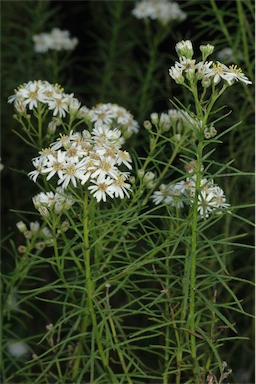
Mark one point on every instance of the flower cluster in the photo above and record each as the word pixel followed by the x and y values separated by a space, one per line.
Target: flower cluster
pixel 116 117
pixel 40 94
pixel 211 197
pixel 57 202
pixel 177 119
pixel 180 121
pixel 41 235
pixel 57 40
pixel 85 157
pixel 206 71
pixel 36 93
pixel 164 11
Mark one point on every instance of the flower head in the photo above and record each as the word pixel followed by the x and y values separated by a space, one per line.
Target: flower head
pixel 211 197
pixel 164 11
pixel 87 158
pixel 55 40
pixel 114 116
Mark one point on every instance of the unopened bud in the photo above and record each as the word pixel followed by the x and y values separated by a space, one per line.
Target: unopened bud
pixel 22 249
pixel 184 48
pixel 149 176
pixel 206 82
pixel 147 125
pixel 21 226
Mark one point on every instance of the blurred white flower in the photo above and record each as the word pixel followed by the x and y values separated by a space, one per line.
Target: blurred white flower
pixel 165 11
pixel 55 40
pixel 17 349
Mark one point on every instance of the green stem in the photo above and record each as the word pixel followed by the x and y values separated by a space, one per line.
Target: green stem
pixel 121 358
pixel 147 80
pixel 90 289
pixel 109 67
pixel 193 264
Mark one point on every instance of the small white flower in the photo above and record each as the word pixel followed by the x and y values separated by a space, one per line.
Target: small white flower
pixel 55 164
pixel 235 74
pixel 70 173
pixel 56 40
pixel 159 196
pixel 38 163
pixel 101 188
pixel 218 71
pixel 59 104
pixel 205 203
pixel 32 93
pixel 119 187
pixel 17 349
pixel 164 11
pixel 42 42
pixel 123 157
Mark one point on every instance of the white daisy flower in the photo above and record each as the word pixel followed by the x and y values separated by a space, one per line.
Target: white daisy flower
pixel 119 187
pixel 101 188
pixel 59 105
pixel 235 74
pixel 205 204
pixel 218 71
pixel 123 157
pixel 159 196
pixel 102 113
pixel 104 166
pixel 70 173
pixel 55 164
pixel 38 163
pixel 32 93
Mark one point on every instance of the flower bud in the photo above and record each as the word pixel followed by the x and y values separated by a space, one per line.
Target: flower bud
pixel 190 74
pixel 74 105
pixel 149 176
pixel 27 234
pixel 176 75
pixel 43 211
pixel 141 173
pixel 22 249
pixel 206 50
pixel 65 225
pixel 206 82
pixel 21 226
pixel 185 49
pixel 151 185
pixel 177 137
pixel 154 118
pixel 40 245
pixel 213 131
pixel 147 125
